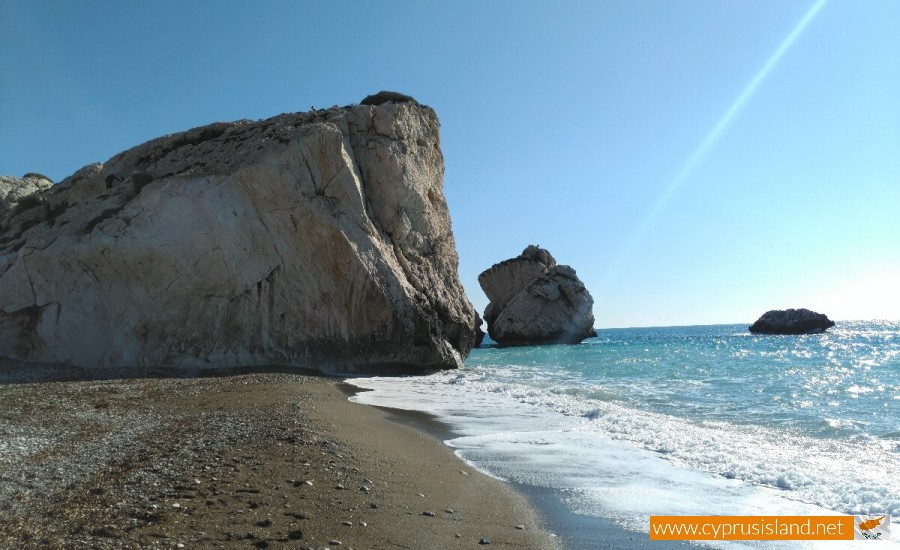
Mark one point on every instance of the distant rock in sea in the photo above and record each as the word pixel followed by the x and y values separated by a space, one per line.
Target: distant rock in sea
pixel 317 240
pixel 535 301
pixel 791 321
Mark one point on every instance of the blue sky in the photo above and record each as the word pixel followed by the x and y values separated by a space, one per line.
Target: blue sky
pixel 640 141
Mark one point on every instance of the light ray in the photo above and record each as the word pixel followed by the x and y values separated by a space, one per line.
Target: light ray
pixel 700 152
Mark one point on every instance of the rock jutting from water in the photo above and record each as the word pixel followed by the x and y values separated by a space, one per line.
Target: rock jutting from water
pixel 791 321
pixel 317 239
pixel 535 301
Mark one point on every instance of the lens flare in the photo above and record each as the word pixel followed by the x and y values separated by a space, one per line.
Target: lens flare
pixel 703 148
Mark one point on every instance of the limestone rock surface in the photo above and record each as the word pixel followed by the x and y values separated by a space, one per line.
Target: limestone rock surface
pixel 535 301
pixel 318 240
pixel 14 190
pixel 791 321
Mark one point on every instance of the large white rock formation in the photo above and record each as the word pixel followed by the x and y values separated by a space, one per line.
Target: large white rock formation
pixel 535 301
pixel 317 239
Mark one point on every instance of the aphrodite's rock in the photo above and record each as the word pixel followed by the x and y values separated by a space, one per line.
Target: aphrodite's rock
pixel 14 192
pixel 535 301
pixel 316 239
pixel 791 321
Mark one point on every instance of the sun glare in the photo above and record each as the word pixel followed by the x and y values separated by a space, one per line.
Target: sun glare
pixel 672 189
pixel 873 296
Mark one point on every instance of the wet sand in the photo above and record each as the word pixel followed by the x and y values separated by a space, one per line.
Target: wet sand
pixel 264 460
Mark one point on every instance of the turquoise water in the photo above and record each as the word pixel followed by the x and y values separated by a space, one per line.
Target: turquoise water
pixel 682 420
pixel 840 384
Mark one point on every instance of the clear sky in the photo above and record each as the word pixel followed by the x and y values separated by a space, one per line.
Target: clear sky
pixel 696 161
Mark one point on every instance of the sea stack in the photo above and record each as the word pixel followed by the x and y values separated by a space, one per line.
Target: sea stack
pixel 791 321
pixel 535 301
pixel 317 240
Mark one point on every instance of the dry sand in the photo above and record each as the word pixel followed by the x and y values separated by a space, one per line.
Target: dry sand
pixel 265 460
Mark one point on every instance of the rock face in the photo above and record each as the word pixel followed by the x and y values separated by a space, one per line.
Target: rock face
pixel 316 239
pixel 791 321
pixel 14 192
pixel 479 334
pixel 535 301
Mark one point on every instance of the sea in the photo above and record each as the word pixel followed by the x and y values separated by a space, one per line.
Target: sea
pixel 699 420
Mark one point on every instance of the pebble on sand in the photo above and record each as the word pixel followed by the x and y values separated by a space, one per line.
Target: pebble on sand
pixel 429 514
pixel 484 541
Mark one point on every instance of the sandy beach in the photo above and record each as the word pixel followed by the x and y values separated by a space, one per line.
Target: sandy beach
pixel 263 460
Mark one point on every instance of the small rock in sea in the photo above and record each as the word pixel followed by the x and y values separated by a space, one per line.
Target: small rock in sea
pixel 484 541
pixel 520 527
pixel 791 321
pixel 429 514
pixel 347 523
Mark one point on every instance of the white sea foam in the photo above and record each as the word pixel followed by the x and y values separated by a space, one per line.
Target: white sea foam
pixel 617 462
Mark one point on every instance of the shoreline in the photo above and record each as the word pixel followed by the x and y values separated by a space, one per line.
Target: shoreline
pixel 256 460
pixel 574 531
